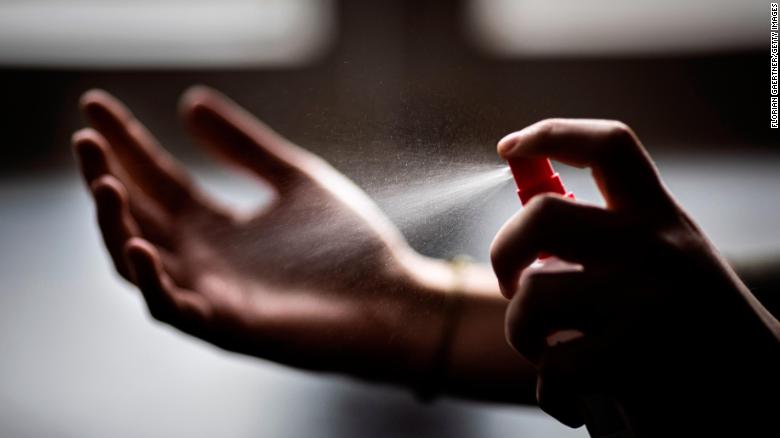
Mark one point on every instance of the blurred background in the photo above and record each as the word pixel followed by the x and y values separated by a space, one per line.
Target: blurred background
pixel 382 90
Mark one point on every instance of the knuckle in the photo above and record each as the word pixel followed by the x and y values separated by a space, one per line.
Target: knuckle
pixel 543 206
pixel 501 244
pixel 620 131
pixel 520 313
pixel 547 128
pixel 528 289
pixel 620 137
pixel 675 243
pixel 496 252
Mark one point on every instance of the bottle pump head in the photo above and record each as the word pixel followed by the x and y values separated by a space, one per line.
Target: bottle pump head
pixel 534 176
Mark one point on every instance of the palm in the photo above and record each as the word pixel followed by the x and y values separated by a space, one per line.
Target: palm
pixel 301 240
pixel 310 271
pixel 305 247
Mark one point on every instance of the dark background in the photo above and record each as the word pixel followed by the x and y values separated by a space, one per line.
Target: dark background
pixel 404 74
pixel 402 88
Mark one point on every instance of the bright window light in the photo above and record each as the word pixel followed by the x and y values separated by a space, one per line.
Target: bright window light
pixel 616 27
pixel 164 33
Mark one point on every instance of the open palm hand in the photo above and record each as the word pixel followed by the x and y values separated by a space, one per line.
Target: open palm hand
pixel 317 278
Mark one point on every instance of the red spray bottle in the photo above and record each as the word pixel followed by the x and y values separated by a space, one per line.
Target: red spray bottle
pixel 604 417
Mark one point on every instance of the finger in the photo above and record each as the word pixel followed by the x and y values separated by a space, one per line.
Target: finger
pixel 549 302
pixel 236 135
pixel 150 167
pixel 557 400
pixel 555 225
pixel 90 149
pixel 564 376
pixel 94 157
pixel 574 387
pixel 165 300
pixel 623 171
pixel 116 224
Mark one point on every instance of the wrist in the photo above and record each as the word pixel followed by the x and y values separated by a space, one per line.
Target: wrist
pixel 431 321
pixel 437 276
pixel 480 363
pixel 462 290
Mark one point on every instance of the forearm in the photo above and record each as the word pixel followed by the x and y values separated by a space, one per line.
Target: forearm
pixel 482 364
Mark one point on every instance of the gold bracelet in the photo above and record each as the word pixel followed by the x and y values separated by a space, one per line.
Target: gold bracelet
pixel 430 383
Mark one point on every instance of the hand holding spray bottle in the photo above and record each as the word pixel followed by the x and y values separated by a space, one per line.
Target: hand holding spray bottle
pixel 604 417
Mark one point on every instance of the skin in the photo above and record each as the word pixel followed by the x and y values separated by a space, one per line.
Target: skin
pixel 670 331
pixel 317 278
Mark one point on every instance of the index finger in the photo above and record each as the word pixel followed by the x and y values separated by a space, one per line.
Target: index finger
pixel 623 171
pixel 235 134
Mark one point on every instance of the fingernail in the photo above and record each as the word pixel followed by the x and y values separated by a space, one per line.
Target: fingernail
pixel 507 144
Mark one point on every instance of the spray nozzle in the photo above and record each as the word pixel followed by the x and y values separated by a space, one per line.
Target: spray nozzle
pixel 534 176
